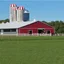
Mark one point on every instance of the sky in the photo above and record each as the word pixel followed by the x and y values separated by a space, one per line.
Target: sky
pixel 47 10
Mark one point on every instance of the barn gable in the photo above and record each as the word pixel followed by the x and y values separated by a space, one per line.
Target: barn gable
pixel 37 24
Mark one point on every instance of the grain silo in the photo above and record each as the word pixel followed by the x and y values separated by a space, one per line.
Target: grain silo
pixel 20 11
pixel 13 12
pixel 26 15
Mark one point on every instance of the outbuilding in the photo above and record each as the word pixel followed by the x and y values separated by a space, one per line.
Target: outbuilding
pixel 26 28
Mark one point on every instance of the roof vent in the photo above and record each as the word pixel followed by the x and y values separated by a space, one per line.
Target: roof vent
pixel 34 20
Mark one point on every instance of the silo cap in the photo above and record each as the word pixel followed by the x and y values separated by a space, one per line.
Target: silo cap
pixel 26 11
pixel 34 20
pixel 13 5
pixel 21 8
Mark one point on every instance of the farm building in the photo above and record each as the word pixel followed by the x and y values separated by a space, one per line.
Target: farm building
pixel 20 25
pixel 25 28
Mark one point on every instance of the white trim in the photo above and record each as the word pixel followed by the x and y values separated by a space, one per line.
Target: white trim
pixel 17 31
pixel 1 31
pixel 40 28
pixel 36 28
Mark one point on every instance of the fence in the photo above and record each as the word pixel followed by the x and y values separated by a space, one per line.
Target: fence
pixel 35 34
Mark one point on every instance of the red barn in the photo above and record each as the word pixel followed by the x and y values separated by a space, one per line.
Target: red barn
pixel 36 28
pixel 26 28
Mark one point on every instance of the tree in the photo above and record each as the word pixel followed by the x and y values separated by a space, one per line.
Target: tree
pixel 6 20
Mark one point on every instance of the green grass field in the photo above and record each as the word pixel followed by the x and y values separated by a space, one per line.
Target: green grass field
pixel 31 50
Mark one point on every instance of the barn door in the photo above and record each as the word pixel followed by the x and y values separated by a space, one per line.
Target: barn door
pixel 40 31
pixel 48 32
pixel 30 31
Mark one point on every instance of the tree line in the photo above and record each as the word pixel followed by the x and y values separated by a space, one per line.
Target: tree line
pixel 4 21
pixel 58 25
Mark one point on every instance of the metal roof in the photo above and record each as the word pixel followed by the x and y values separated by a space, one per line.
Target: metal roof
pixel 15 24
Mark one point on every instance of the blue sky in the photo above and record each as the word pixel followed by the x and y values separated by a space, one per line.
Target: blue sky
pixel 40 10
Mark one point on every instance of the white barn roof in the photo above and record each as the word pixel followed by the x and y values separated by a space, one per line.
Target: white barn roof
pixel 15 24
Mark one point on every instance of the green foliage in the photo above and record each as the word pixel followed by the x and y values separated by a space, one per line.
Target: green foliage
pixel 4 21
pixel 58 25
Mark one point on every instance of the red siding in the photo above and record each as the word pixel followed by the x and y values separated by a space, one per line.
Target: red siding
pixel 34 27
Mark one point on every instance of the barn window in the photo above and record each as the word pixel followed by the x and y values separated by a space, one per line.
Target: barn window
pixel 0 30
pixel 6 30
pixel 48 32
pixel 9 30
pixel 12 30
pixel 30 31
pixel 40 31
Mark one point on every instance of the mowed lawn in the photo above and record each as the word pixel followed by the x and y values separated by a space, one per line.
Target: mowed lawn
pixel 31 50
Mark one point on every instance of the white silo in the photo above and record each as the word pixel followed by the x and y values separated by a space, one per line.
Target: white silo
pixel 13 12
pixel 20 11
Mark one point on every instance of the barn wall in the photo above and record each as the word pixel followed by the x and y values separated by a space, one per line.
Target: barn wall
pixel 34 27
pixel 51 30
pixel 8 33
pixel 21 30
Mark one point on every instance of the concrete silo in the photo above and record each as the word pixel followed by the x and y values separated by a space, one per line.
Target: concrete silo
pixel 20 11
pixel 13 12
pixel 26 15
